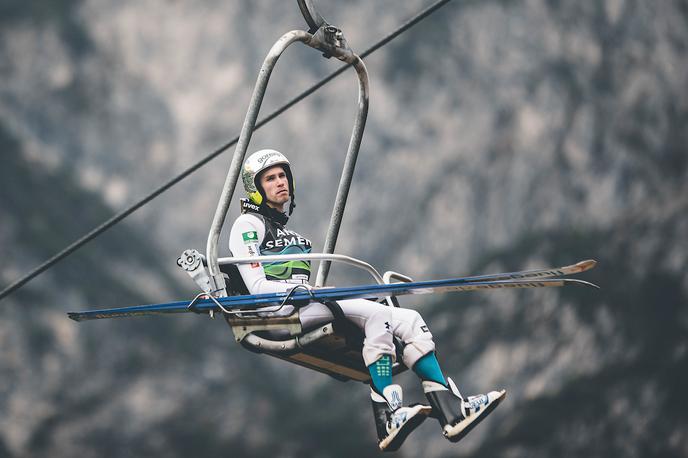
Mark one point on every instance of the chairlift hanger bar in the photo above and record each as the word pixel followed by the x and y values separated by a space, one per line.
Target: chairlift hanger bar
pixel 331 42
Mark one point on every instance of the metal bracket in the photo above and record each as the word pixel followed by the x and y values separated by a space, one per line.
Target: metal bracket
pixel 279 346
pixel 193 263
pixel 330 40
pixel 326 37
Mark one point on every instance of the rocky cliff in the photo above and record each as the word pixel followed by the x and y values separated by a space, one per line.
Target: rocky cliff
pixel 502 135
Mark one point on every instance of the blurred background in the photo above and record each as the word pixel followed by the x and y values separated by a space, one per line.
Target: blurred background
pixel 502 135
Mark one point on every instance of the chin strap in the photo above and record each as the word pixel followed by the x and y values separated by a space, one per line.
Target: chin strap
pixel 292 204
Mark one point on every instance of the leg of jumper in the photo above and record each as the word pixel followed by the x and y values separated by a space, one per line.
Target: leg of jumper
pixel 428 368
pixel 379 323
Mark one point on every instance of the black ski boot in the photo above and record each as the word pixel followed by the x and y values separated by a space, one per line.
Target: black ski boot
pixel 393 422
pixel 458 416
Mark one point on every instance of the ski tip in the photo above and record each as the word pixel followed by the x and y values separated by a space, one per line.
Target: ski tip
pixel 586 265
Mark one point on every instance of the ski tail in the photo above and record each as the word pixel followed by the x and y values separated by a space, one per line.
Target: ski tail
pixel 136 310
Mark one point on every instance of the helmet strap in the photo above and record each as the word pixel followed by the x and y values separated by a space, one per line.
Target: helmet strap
pixel 292 204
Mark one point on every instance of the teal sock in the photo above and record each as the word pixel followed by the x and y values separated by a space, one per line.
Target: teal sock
pixel 381 373
pixel 428 368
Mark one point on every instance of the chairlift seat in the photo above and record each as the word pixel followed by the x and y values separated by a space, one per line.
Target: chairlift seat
pixel 333 348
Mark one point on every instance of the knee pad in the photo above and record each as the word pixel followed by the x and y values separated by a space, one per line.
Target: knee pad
pixel 409 324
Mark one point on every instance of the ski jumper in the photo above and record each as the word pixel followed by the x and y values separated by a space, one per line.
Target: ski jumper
pixel 255 234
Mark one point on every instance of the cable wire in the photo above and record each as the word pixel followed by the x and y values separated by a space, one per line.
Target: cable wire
pixel 120 216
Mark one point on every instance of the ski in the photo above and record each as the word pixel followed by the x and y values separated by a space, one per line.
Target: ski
pixel 576 268
pixel 302 297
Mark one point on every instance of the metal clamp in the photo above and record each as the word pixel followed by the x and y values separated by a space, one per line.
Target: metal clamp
pixel 193 263
pixel 330 40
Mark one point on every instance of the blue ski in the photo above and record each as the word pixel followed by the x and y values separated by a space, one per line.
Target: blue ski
pixel 300 296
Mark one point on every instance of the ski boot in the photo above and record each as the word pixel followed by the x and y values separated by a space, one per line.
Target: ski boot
pixel 458 416
pixel 393 422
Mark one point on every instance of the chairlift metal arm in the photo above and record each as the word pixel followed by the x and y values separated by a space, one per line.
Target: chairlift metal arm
pixel 331 42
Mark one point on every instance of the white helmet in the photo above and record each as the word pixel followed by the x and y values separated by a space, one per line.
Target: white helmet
pixel 256 163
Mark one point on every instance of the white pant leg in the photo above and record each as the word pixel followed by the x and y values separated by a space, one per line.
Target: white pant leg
pixel 379 324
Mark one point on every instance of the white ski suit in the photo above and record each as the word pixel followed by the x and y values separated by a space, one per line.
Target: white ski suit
pixel 255 234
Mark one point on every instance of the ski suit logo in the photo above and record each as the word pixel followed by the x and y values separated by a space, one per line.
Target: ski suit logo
pixel 286 238
pixel 265 157
pixel 250 237
pixel 251 241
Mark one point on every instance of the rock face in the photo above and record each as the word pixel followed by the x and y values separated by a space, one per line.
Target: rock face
pixel 502 135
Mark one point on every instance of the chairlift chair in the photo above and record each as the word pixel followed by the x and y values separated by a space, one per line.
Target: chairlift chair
pixel 333 348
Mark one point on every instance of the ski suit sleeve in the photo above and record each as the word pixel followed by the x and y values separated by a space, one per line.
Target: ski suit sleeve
pixel 245 238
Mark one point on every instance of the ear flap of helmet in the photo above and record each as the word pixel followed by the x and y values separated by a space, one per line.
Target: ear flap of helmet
pixel 290 179
pixel 256 197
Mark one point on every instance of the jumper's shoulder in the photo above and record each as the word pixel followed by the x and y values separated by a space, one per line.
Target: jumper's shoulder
pixel 249 219
pixel 247 227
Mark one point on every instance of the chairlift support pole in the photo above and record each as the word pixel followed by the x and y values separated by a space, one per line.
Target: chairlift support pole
pixel 330 41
